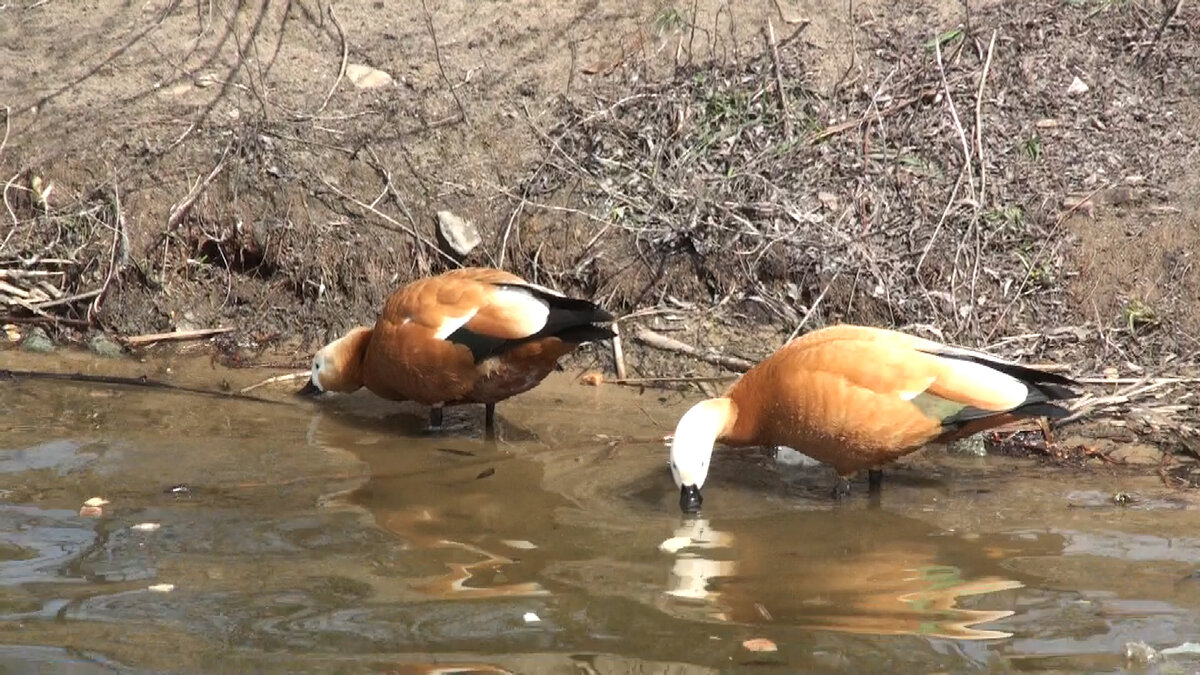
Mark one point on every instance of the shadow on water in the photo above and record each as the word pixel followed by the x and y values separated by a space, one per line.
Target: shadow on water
pixel 343 535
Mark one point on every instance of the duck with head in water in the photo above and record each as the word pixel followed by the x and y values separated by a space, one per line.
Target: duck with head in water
pixel 471 335
pixel 858 398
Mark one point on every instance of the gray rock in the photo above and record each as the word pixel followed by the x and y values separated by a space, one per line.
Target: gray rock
pixel 37 341
pixel 1137 453
pixel 104 346
pixel 366 77
pixel 971 446
pixel 458 235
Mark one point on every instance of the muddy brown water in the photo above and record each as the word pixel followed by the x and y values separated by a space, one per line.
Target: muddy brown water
pixel 340 536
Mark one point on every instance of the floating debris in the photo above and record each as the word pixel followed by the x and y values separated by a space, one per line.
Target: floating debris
pixel 96 501
pixel 146 527
pixel 161 588
pixel 519 544
pixel 593 379
pixel 760 645
pixel 530 617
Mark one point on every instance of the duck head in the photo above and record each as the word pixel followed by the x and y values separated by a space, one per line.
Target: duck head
pixel 338 365
pixel 692 447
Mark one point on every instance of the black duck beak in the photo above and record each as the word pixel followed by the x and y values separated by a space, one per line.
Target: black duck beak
pixel 309 389
pixel 690 499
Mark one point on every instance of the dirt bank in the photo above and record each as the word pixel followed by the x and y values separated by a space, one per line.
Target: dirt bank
pixel 1019 175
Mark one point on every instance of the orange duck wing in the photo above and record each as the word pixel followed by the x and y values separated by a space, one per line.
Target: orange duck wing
pixel 434 333
pixel 858 401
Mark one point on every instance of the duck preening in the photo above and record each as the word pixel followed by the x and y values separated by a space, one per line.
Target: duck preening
pixel 472 335
pixel 858 398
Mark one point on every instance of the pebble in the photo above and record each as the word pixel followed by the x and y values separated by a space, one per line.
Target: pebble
pixel 104 346
pixel 972 446
pixel 37 341
pixel 366 77
pixel 457 234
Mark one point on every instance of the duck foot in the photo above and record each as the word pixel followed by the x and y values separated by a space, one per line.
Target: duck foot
pixel 435 417
pixel 874 481
pixel 489 421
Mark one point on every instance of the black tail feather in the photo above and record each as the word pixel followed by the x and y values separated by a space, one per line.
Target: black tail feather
pixel 561 303
pixel 570 319
pixel 1044 388
pixel 1041 409
pixel 586 333
pixel 1023 373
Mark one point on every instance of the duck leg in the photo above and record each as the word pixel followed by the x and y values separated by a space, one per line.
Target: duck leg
pixel 874 481
pixel 489 419
pixel 841 489
pixel 435 417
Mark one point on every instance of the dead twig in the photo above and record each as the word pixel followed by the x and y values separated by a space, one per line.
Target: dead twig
pixel 437 55
pixel 341 69
pixel 278 378
pixel 181 209
pixel 395 224
pixel 659 341
pixel 958 127
pixel 779 90
pixel 618 351
pixel 142 382
pixel 834 130
pixel 987 66
pixel 1168 17
pixel 642 381
pixel 812 308
pixel 114 254
pixel 175 336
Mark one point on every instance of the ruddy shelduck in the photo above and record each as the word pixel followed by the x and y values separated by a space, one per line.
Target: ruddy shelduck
pixel 471 335
pixel 858 398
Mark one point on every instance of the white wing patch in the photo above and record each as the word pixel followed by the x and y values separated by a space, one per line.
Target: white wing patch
pixel 543 289
pixel 910 395
pixel 999 386
pixel 523 311
pixel 453 323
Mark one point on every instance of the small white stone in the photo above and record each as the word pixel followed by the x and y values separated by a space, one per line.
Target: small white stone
pixel 161 588
pixel 791 457
pixel 146 527
pixel 459 234
pixel 366 77
pixel 1077 87
pixel 530 617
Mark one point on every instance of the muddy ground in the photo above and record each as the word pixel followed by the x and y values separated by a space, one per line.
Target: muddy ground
pixel 174 165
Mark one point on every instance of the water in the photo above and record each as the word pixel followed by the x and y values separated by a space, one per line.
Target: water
pixel 339 536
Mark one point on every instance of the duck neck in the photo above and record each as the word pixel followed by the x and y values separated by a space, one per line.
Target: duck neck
pixel 743 424
pixel 357 343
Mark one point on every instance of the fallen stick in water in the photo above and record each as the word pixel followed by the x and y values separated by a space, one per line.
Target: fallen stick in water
pixel 142 381
pixel 278 378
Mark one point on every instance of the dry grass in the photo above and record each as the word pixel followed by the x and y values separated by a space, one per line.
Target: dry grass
pixel 928 189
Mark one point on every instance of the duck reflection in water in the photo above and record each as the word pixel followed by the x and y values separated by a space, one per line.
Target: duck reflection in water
pixel 862 571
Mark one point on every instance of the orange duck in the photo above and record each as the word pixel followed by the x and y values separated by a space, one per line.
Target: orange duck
pixel 472 335
pixel 858 398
